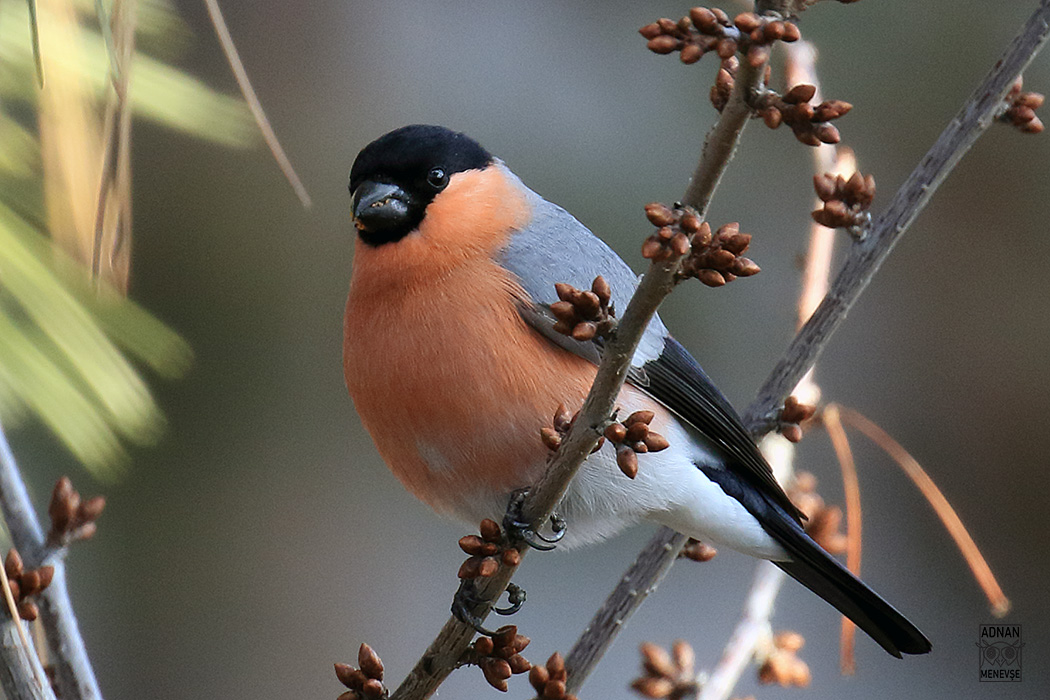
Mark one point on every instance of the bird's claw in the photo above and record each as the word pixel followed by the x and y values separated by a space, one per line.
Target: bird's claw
pixel 518 529
pixel 516 598
pixel 466 599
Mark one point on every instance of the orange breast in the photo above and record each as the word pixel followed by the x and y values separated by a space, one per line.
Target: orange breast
pixel 451 384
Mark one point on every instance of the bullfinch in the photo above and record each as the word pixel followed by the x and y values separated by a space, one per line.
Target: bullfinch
pixel 454 367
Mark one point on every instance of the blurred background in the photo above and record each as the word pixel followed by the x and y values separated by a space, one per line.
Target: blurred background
pixel 261 538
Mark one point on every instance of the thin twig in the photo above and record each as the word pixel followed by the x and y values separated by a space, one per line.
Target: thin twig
pixel 748 634
pixel 254 105
pixel 74 676
pixel 851 487
pixel 981 571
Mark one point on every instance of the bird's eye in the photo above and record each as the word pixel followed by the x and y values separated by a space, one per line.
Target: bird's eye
pixel 437 178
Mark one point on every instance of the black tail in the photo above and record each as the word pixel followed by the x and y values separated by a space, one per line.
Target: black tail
pixel 821 573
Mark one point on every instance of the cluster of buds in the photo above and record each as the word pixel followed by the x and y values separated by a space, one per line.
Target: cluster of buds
pixel 717 258
pixel 25 583
pixel 1020 109
pixel 808 122
pixel 549 681
pixel 366 682
pixel 823 522
pixel 782 665
pixel 710 30
pixel 633 437
pixel 563 420
pixel 71 518
pixel 675 227
pixel 667 675
pixel 846 202
pixel 486 552
pixel 697 551
pixel 499 656
pixel 584 315
pixel 791 416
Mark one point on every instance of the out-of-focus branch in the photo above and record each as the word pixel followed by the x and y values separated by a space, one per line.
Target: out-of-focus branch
pixel 74 676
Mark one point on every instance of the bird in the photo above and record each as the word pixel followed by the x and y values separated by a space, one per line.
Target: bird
pixel 454 367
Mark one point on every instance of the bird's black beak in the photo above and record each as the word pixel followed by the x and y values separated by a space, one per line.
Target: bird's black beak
pixel 380 207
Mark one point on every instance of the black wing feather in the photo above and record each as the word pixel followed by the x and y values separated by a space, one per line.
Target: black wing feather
pixel 678 382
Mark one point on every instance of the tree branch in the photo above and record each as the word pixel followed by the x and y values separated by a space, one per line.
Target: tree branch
pixel 74 676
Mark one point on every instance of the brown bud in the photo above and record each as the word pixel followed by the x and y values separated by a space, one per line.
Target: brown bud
pixel 680 244
pixel 773 31
pixel 636 431
pixel 745 267
pixel 791 32
pixel 802 92
pixel 651 31
pixel 736 243
pixel 651 687
pixel 747 22
pixel 792 432
pixel 1035 126
pixel 519 664
pixel 505 635
pixel 601 289
pixel 63 505
pixel 691 53
pixel 30 582
pixel 652 249
pixel 667 26
pixel 726 48
pixel 538 677
pixel 825 186
pixel 27 610
pixel 703 236
pixel 554 690
pixel 1032 100
pixel 711 278
pixel 788 640
pixel 347 676
pixel 616 432
pixel 488 567
pixel 655 442
pixel 13 566
pixel 372 689
pixel 642 416
pixel 470 568
pixel 584 331
pixel 490 531
pixel 92 508
pixel 684 657
pixel 627 460
pixel 511 557
pixel 772 117
pixel 720 259
pixel 556 666
pixel 806 136
pixel 703 19
pixel 369 662
pixel 484 645
pixel 551 440
pixel 831 109
pixel 663 44
pixel 698 551
pixel 690 223
pixel 757 55
pixel 471 544
pixel 657 661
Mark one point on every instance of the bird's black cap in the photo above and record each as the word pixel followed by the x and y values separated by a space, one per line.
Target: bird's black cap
pixel 396 176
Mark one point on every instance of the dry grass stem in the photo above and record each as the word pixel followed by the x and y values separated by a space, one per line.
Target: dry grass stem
pixel 1000 604
pixel 252 99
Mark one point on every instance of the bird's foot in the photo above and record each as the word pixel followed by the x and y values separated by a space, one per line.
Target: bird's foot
pixel 519 530
pixel 467 599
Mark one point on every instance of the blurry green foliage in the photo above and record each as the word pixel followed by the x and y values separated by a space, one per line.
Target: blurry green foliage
pixel 67 343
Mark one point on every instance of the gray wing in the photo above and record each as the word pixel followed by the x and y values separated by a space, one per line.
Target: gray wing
pixel 554 248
